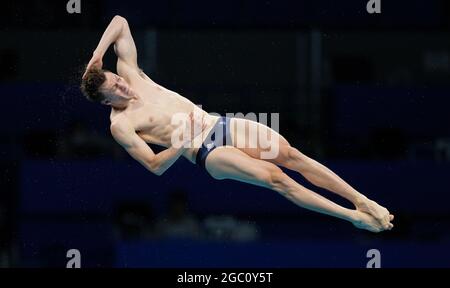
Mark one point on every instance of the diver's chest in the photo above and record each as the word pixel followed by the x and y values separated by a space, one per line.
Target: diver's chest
pixel 151 117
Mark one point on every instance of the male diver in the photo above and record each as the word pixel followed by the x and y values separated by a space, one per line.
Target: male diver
pixel 143 112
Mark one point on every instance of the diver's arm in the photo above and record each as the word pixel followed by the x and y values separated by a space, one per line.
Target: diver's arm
pixel 117 32
pixel 125 135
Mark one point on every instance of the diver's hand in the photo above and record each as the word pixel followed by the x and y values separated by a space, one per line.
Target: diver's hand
pixel 96 61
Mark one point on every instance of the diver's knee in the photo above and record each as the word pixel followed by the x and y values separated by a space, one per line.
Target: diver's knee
pixel 298 161
pixel 277 179
pixel 289 156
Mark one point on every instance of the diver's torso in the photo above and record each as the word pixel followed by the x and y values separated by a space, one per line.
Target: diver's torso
pixel 152 114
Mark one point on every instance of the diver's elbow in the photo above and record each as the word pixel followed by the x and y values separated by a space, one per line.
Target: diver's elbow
pixel 158 172
pixel 120 19
pixel 156 169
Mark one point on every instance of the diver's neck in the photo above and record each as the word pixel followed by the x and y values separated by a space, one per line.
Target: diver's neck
pixel 135 98
pixel 118 109
pixel 132 100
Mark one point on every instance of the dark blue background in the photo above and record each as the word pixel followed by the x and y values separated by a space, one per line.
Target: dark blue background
pixel 377 116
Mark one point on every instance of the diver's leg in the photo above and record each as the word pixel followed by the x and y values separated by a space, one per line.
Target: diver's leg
pixel 231 163
pixel 257 140
pixel 323 177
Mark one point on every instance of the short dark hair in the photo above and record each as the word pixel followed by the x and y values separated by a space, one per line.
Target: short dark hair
pixel 90 85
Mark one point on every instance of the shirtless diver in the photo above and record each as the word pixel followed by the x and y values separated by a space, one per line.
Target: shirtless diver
pixel 143 112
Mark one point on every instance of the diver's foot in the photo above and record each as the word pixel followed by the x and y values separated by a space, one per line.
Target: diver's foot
pixel 366 221
pixel 371 207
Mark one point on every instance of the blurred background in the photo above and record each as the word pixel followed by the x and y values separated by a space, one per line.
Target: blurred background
pixel 365 94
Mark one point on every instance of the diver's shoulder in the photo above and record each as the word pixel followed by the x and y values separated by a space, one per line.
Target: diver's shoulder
pixel 121 127
pixel 117 116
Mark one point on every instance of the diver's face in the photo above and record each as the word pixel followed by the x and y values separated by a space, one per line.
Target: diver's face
pixel 116 90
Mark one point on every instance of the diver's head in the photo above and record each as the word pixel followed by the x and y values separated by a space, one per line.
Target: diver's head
pixel 106 88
